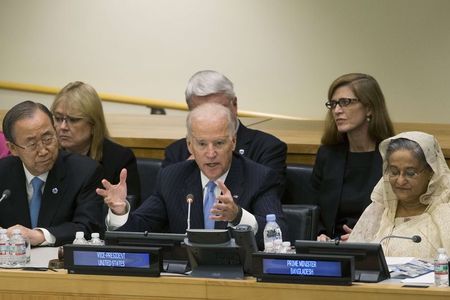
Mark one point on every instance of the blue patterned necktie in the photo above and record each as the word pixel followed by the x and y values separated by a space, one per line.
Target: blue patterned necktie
pixel 209 203
pixel 35 204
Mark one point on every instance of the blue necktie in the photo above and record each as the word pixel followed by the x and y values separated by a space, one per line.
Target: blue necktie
pixel 209 203
pixel 35 204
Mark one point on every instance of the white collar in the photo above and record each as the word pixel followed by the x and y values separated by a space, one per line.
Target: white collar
pixel 30 176
pixel 205 179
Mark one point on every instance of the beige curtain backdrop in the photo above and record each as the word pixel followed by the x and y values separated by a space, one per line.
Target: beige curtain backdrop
pixel 281 54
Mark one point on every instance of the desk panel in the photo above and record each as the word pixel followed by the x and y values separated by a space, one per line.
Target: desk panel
pixel 15 284
pixel 149 135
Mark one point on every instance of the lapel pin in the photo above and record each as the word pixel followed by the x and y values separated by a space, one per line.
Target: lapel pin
pixel 235 196
pixel 241 151
pixel 55 191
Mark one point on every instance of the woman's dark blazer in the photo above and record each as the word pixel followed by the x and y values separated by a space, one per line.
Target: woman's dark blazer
pixel 327 180
pixel 115 158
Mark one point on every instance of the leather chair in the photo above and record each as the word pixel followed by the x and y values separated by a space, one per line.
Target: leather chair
pixel 148 169
pixel 298 188
pixel 302 220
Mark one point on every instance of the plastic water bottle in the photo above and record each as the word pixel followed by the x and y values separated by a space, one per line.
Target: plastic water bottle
pixel 441 268
pixel 278 246
pixel 272 234
pixel 95 239
pixel 4 248
pixel 79 238
pixel 268 247
pixel 27 249
pixel 286 247
pixel 17 250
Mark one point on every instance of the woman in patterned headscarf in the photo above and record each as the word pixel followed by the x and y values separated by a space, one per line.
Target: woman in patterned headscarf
pixel 412 198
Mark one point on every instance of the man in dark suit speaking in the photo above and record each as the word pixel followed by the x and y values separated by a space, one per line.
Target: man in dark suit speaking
pixel 227 188
pixel 213 87
pixel 52 193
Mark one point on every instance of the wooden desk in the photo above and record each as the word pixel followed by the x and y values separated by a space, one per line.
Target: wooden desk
pixel 148 135
pixel 49 285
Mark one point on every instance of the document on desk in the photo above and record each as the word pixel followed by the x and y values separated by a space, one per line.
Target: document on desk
pixel 40 256
pixel 424 279
pixel 411 270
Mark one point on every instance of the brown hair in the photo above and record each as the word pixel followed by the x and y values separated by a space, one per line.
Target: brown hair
pixel 369 93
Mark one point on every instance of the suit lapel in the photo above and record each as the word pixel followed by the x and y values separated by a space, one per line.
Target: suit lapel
pixel 338 171
pixel 52 195
pixel 235 184
pixel 20 206
pixel 244 138
pixel 193 185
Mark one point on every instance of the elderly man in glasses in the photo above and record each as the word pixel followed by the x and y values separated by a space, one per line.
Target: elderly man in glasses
pixel 228 189
pixel 51 192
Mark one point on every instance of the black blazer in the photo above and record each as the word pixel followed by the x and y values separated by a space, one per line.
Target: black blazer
pixel 254 187
pixel 115 158
pixel 256 145
pixel 69 201
pixel 327 180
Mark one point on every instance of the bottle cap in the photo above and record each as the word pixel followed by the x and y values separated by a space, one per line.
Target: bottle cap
pixel 95 235
pixel 286 244
pixel 79 234
pixel 271 218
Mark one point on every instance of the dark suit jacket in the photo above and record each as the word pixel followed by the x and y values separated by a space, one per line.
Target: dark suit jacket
pixel 327 180
pixel 115 158
pixel 256 145
pixel 253 185
pixel 69 201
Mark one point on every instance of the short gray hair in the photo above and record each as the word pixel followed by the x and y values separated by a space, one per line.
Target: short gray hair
pixel 211 111
pixel 204 83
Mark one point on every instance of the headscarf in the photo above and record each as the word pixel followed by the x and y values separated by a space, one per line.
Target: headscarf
pixel 379 219
pixel 438 190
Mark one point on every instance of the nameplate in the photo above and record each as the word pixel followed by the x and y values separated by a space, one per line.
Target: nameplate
pixel 112 260
pixel 303 268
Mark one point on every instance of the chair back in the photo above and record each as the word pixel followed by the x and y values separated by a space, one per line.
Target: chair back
pixel 302 221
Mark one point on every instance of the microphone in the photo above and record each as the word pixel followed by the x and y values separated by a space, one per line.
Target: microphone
pixel 189 200
pixel 414 238
pixel 6 193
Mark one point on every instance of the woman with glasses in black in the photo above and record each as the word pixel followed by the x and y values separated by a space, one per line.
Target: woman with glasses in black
pixel 81 128
pixel 348 164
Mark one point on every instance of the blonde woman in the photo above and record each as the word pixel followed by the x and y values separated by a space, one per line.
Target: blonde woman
pixel 81 128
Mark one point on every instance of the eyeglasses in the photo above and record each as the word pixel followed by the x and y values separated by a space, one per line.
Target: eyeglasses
pixel 343 102
pixel 409 173
pixel 218 144
pixel 46 141
pixel 59 119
